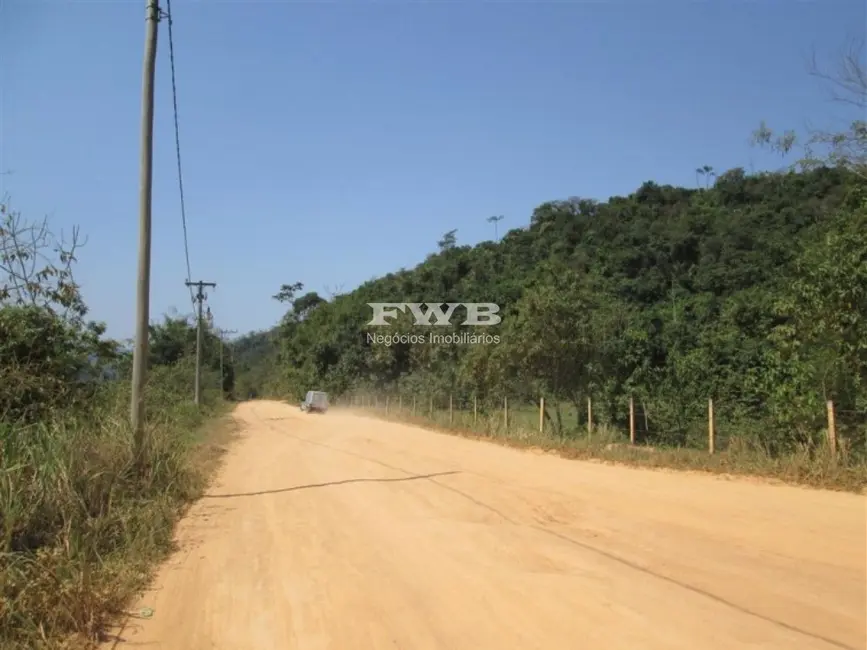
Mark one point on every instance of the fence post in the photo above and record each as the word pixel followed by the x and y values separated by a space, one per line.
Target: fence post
pixel 506 413
pixel 631 421
pixel 832 429
pixel 400 403
pixel 711 437
pixel 589 417
pixel 413 406
pixel 475 410
pixel 541 415
pixel 431 408
pixel 451 410
pixel 386 404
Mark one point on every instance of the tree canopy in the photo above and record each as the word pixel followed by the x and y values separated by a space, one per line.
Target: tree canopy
pixel 751 290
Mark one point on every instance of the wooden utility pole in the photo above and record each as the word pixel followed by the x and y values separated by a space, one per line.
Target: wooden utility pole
pixel 199 298
pixel 143 283
pixel 832 429
pixel 222 333
pixel 711 433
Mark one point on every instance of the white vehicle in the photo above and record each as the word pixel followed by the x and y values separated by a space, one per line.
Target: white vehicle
pixel 315 402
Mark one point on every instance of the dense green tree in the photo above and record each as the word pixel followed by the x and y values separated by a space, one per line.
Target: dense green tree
pixel 51 355
pixel 449 241
pixel 749 291
pixel 174 341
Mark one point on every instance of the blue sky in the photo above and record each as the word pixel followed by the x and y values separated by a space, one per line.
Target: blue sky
pixel 329 143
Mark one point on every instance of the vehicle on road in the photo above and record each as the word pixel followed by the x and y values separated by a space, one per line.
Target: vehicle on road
pixel 315 401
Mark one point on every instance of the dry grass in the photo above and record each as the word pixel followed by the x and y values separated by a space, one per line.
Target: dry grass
pixel 81 525
pixel 815 467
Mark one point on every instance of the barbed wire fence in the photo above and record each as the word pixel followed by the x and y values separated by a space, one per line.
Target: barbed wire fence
pixel 639 422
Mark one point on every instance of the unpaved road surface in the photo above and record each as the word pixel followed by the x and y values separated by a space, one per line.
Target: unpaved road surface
pixel 342 532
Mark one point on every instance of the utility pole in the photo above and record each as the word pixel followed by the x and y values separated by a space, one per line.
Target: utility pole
pixel 199 298
pixel 222 333
pixel 143 284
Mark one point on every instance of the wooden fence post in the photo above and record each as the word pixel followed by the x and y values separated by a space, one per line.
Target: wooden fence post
pixel 386 404
pixel 832 429
pixel 400 403
pixel 475 410
pixel 631 421
pixel 506 413
pixel 711 435
pixel 541 415
pixel 431 407
pixel 589 417
pixel 451 410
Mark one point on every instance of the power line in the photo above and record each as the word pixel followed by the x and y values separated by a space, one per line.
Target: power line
pixel 178 149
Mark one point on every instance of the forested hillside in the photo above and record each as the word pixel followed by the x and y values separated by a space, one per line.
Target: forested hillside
pixel 752 291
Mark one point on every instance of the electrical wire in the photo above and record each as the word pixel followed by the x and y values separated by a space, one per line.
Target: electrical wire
pixel 178 148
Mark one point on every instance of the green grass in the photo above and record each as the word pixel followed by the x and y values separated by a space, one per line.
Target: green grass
pixel 815 467
pixel 82 526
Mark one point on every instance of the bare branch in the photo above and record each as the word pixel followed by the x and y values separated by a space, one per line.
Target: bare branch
pixel 848 82
pixel 333 292
pixel 846 147
pixel 36 267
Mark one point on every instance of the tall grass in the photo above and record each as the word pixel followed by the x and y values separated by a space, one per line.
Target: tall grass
pixel 81 524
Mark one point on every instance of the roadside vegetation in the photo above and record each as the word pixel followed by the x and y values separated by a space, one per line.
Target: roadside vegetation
pixel 83 521
pixel 815 467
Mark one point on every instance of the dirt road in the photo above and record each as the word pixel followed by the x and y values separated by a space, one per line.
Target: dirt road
pixel 341 532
